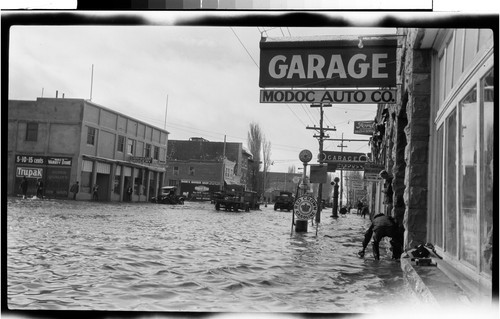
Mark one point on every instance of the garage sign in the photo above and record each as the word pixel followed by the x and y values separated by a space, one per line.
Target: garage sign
pixel 288 62
pixel 342 157
pixel 328 96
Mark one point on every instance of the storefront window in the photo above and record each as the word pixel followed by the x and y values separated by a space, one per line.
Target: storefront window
pixel 437 224
pixel 468 175
pixel 487 164
pixel 451 185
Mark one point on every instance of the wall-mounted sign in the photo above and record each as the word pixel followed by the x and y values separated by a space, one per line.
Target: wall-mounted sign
pixel 140 159
pixel 29 172
pixel 30 159
pixel 305 207
pixel 328 96
pixel 201 188
pixel 342 157
pixel 372 171
pixel 199 182
pixel 327 63
pixel 43 160
pixel 364 127
pixel 59 161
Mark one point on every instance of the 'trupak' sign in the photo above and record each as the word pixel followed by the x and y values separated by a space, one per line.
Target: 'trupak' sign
pixel 285 62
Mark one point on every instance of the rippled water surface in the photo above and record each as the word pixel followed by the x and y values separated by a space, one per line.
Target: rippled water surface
pixel 140 256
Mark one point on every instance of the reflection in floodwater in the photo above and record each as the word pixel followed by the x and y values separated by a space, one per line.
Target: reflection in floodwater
pixel 141 256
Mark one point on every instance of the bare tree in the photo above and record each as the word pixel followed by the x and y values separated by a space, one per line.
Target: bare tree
pixel 292 169
pixel 254 141
pixel 266 155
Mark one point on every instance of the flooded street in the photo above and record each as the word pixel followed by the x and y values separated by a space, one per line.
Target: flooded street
pixel 75 255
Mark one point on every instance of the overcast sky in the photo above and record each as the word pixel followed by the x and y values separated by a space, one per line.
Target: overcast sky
pixel 209 76
pixel 205 79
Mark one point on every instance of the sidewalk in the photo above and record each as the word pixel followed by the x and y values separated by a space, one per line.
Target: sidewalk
pixel 431 285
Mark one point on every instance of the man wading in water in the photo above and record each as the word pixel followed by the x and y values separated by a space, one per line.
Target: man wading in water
pixel 382 226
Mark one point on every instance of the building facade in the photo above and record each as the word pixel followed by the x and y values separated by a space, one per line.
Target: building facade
pixel 199 167
pixel 438 143
pixel 61 141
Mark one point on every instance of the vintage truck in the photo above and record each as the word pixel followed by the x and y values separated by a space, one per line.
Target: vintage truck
pixel 236 201
pixel 168 196
pixel 285 200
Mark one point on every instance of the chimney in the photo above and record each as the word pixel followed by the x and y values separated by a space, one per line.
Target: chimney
pixel 57 93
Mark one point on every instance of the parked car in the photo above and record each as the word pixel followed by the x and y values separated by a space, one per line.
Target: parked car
pixel 168 196
pixel 285 200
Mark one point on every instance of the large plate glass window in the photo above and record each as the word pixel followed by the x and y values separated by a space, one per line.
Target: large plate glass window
pixel 468 177
pixel 451 184
pixel 487 169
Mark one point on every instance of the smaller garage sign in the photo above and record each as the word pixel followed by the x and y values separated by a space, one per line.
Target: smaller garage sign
pixel 305 207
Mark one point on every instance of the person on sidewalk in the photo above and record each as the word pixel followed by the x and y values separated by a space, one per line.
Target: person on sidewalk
pixel 39 188
pixel 365 211
pixel 75 189
pixel 360 207
pixel 382 226
pixel 95 191
pixel 387 190
pixel 24 187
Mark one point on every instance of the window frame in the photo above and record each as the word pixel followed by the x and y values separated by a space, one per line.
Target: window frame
pixel 131 146
pixel 91 135
pixel 120 144
pixel 31 132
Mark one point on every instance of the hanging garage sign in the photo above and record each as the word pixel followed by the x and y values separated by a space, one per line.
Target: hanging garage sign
pixel 342 157
pixel 327 63
pixel 344 166
pixel 328 96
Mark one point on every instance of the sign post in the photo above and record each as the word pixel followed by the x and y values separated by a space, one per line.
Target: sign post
pixel 305 157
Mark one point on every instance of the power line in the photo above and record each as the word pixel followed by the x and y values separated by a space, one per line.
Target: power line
pixel 244 47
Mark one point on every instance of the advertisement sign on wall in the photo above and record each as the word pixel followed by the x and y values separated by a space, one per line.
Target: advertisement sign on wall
pixel 327 63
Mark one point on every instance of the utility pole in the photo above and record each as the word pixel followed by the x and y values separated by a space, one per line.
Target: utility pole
pixel 342 140
pixel 320 138
pixel 341 171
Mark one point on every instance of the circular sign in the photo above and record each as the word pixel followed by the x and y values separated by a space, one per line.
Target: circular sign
pixel 305 207
pixel 305 156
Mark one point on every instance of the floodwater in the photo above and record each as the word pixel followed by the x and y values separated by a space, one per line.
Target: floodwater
pixel 74 255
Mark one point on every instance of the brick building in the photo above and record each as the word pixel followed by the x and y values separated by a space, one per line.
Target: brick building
pixel 61 141
pixel 200 167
